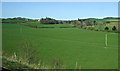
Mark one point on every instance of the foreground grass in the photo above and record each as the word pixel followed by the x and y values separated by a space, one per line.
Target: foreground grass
pixel 14 62
pixel 69 46
pixel 8 64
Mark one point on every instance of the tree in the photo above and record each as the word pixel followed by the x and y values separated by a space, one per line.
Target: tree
pixel 77 24
pixel 107 22
pixel 106 28
pixel 114 28
pixel 48 21
pixel 94 22
pixel 88 22
pixel 100 26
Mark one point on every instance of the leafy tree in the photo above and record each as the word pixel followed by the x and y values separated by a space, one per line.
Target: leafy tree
pixel 107 22
pixel 100 26
pixel 48 21
pixel 88 22
pixel 83 25
pixel 114 28
pixel 77 24
pixel 106 28
pixel 94 22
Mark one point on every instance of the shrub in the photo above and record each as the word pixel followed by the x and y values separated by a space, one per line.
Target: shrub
pixel 48 21
pixel 113 28
pixel 106 28
pixel 85 28
pixel 90 28
pixel 96 29
pixel 28 52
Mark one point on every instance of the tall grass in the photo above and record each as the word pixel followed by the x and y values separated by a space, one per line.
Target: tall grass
pixel 27 56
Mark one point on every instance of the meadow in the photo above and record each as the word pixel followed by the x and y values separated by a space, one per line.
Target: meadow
pixel 70 48
pixel 39 25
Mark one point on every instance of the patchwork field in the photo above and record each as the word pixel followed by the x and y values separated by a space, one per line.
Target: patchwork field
pixel 66 46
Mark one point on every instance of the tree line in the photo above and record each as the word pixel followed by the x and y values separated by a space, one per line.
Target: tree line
pixel 82 23
pixel 79 23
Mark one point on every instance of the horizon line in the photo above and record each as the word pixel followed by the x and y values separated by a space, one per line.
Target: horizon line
pixel 65 19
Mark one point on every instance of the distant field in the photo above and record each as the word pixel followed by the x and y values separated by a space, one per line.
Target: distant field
pixel 56 25
pixel 9 20
pixel 113 20
pixel 110 27
pixel 105 20
pixel 50 25
pixel 98 20
pixel 70 45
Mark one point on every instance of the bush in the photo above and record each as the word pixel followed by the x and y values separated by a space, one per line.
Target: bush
pixel 90 28
pixel 106 28
pixel 96 29
pixel 114 28
pixel 48 21
pixel 85 28
pixel 28 53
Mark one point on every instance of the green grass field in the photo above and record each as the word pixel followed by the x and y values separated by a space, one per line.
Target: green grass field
pixel 49 25
pixel 67 45
pixel 103 28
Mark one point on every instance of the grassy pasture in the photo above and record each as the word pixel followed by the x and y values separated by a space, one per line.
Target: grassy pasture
pixel 110 27
pixel 56 25
pixel 49 25
pixel 67 45
pixel 9 20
